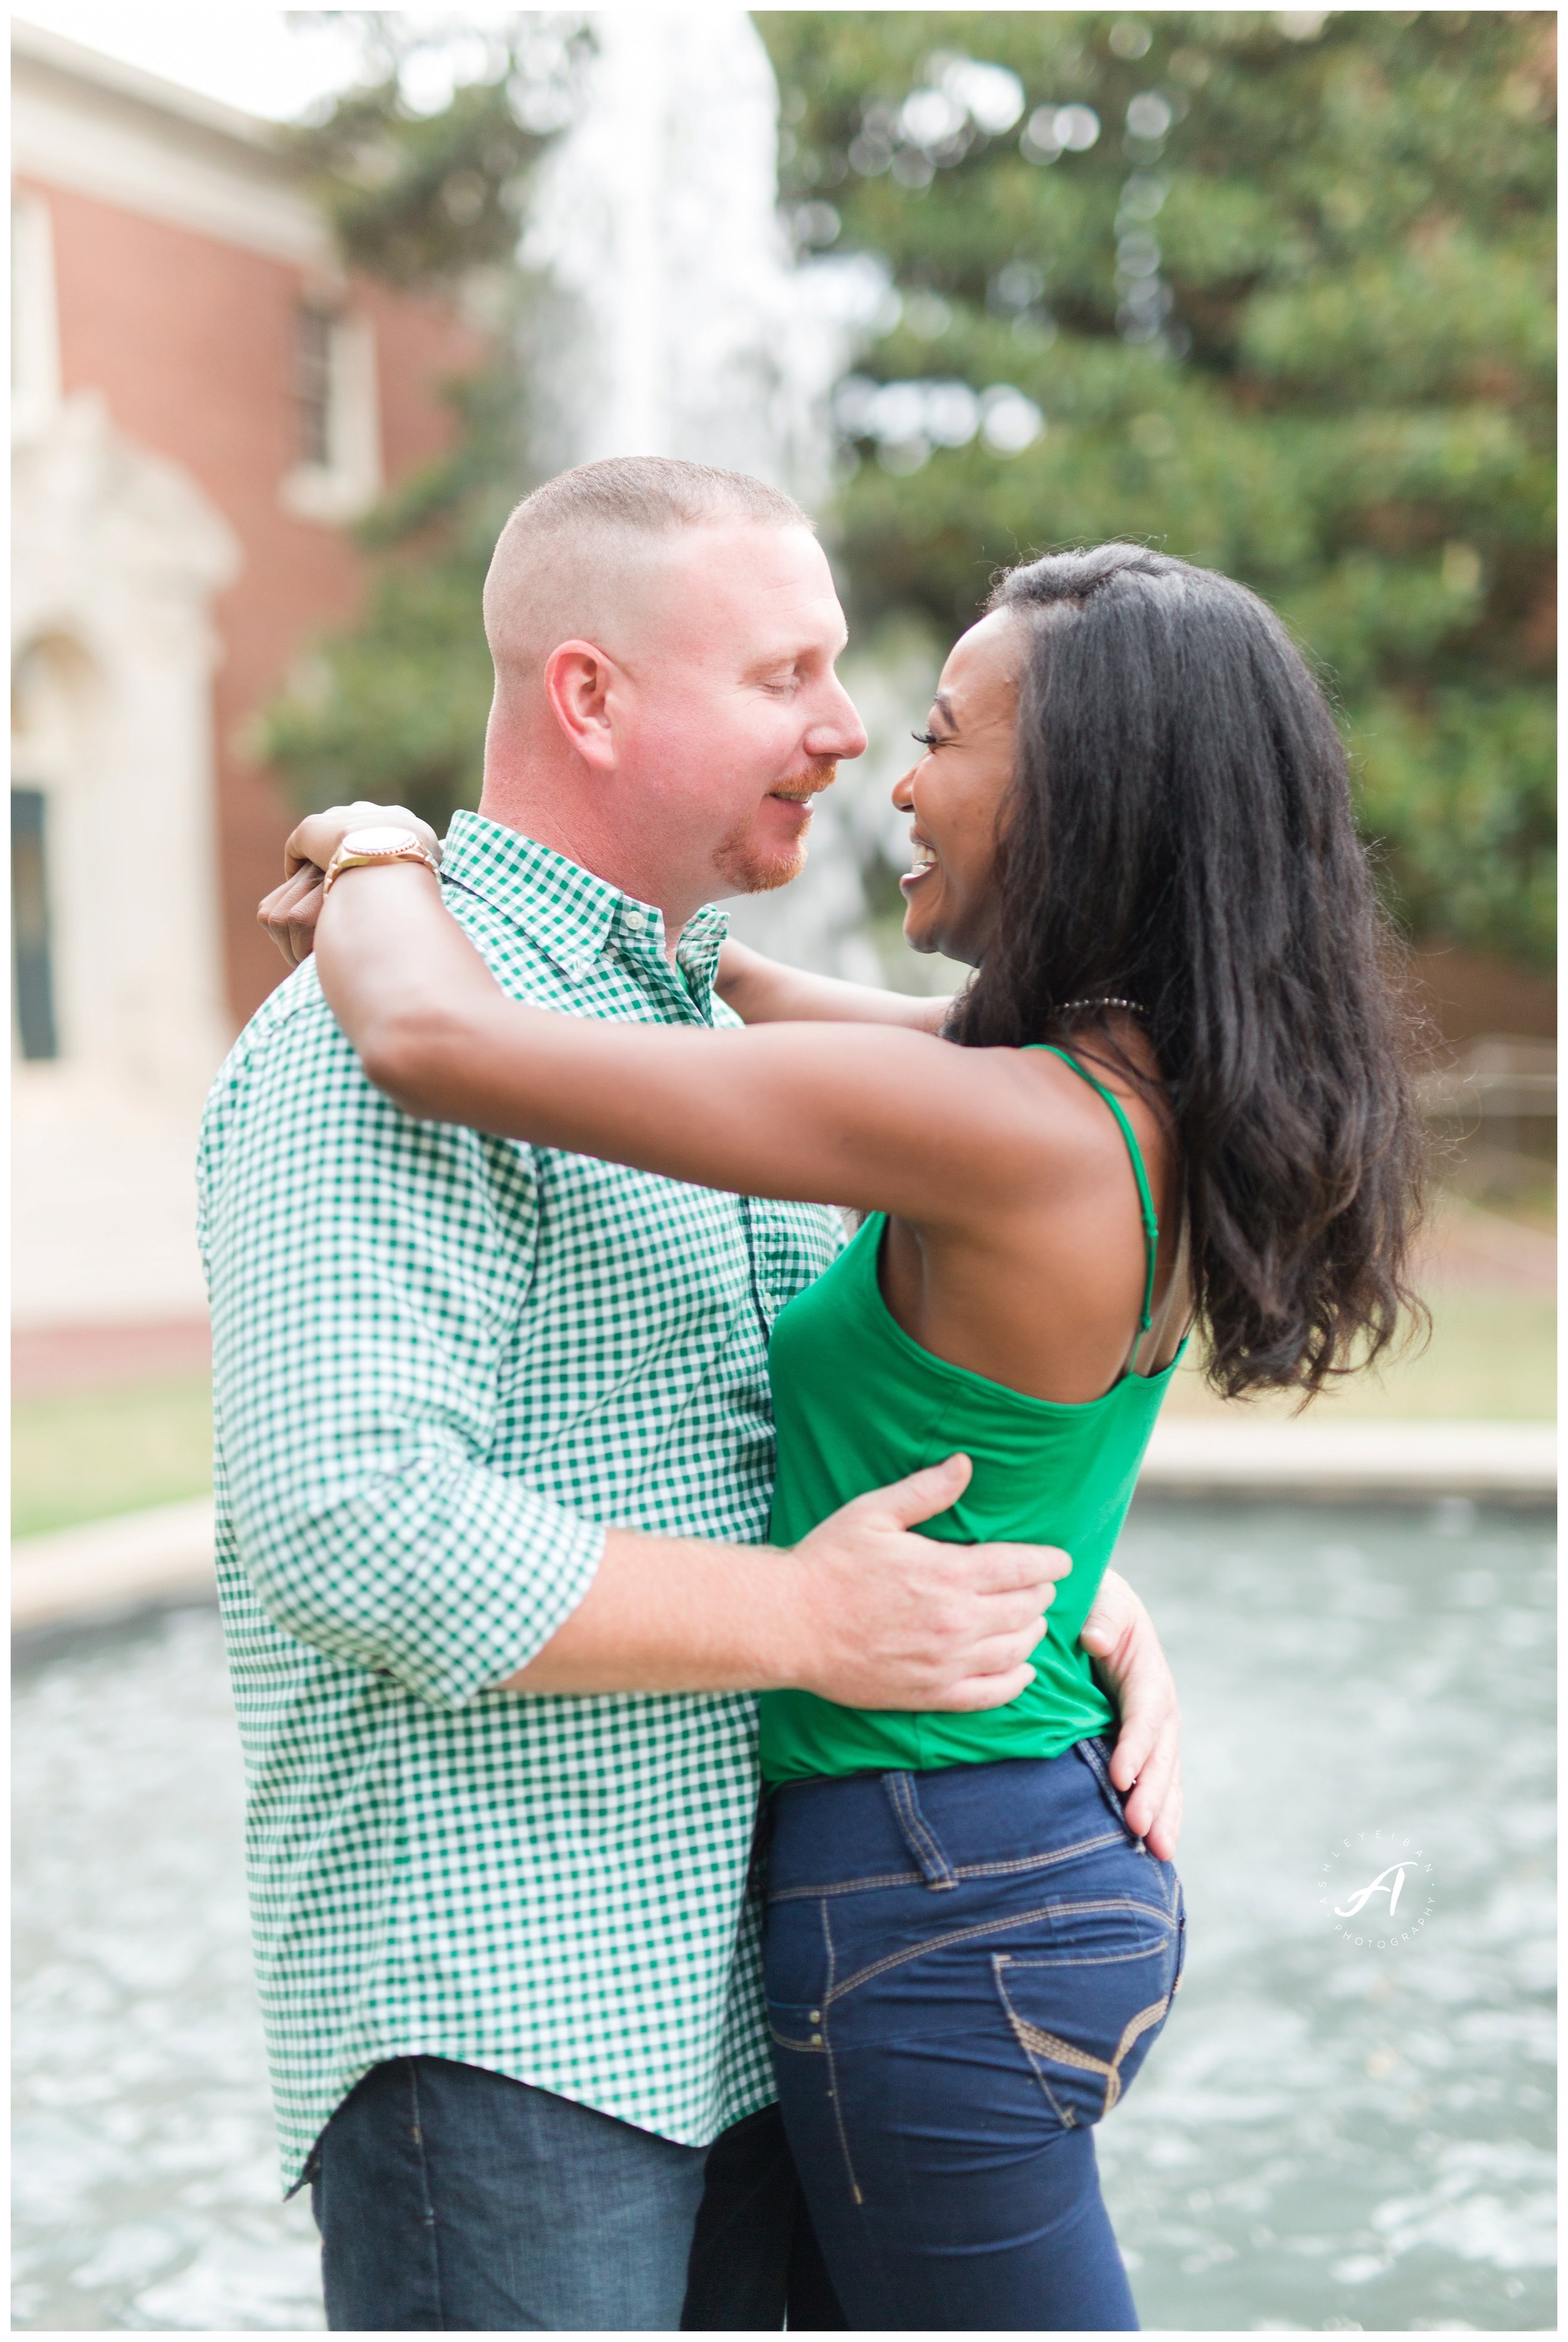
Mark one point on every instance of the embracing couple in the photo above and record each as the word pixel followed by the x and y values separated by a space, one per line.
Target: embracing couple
pixel 578 1479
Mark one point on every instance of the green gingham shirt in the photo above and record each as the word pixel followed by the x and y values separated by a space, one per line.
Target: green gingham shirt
pixel 442 1362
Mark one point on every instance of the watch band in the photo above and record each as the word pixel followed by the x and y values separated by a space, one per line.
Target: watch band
pixel 351 856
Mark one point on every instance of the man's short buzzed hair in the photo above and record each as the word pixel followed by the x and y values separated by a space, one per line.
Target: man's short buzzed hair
pixel 563 562
pixel 652 493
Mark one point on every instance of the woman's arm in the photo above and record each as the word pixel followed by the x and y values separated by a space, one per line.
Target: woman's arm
pixel 763 991
pixel 869 1115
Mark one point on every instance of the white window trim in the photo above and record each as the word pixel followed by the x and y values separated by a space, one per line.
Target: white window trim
pixel 35 321
pixel 349 482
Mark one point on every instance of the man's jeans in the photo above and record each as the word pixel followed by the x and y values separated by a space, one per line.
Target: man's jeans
pixel 449 2198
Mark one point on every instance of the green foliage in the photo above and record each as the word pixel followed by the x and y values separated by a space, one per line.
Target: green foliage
pixel 415 198
pixel 1337 386
pixel 1462 788
pixel 421 198
pixel 393 707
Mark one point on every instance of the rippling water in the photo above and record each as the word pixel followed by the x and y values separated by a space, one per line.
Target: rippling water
pixel 1325 2137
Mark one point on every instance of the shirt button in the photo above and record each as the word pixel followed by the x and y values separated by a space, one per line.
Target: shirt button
pixel 816 2016
pixel 636 921
pixel 816 2040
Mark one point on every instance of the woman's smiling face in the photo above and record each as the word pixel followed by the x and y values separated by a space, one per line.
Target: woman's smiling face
pixel 956 790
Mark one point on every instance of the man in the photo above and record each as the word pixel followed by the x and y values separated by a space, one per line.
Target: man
pixel 500 1754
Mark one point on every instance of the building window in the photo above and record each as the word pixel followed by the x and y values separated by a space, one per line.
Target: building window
pixel 34 993
pixel 337 416
pixel 34 333
pixel 313 373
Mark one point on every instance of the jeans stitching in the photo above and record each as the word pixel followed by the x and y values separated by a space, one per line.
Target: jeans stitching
pixel 1095 1959
pixel 1033 2038
pixel 832 2068
pixel 1064 2114
pixel 429 2207
pixel 938 1871
pixel 848 1886
pixel 1035 1861
pixel 981 1928
pixel 960 1870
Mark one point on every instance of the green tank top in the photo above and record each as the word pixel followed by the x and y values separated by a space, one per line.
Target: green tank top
pixel 857 1404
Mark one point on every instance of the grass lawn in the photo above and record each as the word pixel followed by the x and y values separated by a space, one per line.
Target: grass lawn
pixel 79 1456
pixel 1491 1358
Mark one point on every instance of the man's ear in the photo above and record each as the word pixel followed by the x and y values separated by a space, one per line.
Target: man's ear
pixel 578 678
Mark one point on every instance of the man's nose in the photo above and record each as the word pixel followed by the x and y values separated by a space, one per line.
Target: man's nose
pixel 838 730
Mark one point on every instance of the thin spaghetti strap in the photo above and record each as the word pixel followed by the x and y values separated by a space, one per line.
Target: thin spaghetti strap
pixel 1145 1199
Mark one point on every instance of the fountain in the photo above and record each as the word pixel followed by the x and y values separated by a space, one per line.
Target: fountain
pixel 655 223
pixel 671 319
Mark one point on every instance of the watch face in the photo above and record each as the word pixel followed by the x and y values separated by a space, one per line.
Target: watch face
pixel 384 840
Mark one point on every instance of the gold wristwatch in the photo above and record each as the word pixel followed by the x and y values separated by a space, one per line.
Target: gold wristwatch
pixel 382 845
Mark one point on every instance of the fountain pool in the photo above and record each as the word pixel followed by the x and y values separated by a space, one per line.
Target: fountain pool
pixel 1325 2137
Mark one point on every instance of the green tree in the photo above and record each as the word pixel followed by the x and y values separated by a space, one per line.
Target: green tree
pixel 393 707
pixel 1271 291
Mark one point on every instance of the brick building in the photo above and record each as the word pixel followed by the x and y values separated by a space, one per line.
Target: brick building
pixel 201 399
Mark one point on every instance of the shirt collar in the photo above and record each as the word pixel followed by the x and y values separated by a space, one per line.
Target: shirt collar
pixel 569 913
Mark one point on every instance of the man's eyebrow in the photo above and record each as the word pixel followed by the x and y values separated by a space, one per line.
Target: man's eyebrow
pixel 789 654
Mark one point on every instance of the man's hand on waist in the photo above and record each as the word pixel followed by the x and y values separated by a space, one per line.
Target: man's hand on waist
pixel 862 1611
pixel 885 1618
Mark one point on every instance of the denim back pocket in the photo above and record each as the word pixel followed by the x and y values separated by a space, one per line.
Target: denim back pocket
pixel 1085 2009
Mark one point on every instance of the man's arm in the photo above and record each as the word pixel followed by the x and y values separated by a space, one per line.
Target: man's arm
pixel 861 1611
pixel 366 1272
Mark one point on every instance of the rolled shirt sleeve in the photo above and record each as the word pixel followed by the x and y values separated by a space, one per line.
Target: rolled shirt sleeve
pixel 367 1274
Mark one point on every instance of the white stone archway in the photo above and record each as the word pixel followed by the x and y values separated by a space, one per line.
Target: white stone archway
pixel 117 557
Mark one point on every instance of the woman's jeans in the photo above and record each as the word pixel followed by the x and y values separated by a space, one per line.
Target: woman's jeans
pixel 964 1971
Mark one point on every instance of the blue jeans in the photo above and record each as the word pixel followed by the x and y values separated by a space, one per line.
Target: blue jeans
pixel 966 1969
pixel 451 2197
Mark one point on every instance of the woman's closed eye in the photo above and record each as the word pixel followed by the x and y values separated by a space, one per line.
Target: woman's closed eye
pixel 931 740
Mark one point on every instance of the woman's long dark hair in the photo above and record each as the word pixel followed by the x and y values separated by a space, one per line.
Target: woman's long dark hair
pixel 1179 832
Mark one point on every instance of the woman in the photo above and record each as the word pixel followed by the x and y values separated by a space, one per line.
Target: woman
pixel 1172 1091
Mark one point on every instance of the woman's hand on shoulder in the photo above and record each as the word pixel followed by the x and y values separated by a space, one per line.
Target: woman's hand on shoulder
pixel 289 914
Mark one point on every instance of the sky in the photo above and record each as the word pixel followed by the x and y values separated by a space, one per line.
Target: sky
pixel 248 56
